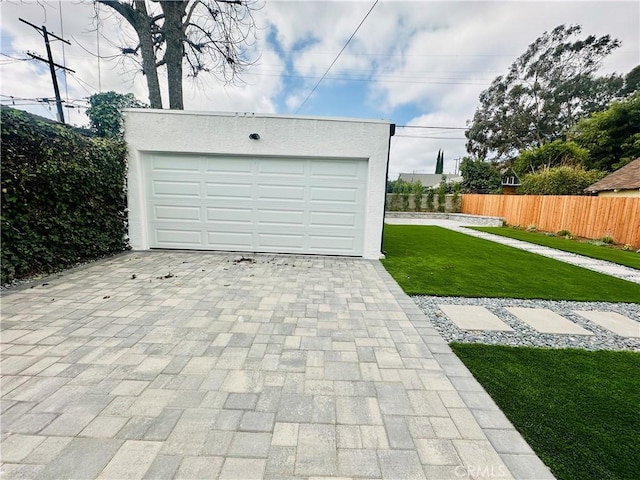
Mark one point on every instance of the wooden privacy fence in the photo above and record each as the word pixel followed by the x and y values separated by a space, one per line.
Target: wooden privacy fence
pixel 590 217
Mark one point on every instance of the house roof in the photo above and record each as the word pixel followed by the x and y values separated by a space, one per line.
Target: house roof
pixel 430 179
pixel 626 178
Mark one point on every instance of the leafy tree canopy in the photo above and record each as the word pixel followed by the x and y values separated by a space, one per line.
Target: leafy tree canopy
pixel 105 112
pixel 563 180
pixel 552 154
pixel 479 177
pixel 612 137
pixel 631 82
pixel 546 91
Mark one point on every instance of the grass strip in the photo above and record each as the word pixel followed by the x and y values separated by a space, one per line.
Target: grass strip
pixel 577 409
pixel 605 252
pixel 427 260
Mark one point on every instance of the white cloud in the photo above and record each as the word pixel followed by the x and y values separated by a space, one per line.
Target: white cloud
pixel 429 58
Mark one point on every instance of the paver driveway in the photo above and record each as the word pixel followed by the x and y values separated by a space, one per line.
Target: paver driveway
pixel 191 365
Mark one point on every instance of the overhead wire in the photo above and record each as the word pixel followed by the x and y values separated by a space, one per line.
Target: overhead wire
pixel 338 56
pixel 64 57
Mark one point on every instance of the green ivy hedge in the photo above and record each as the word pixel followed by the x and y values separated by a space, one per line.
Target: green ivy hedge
pixel 63 196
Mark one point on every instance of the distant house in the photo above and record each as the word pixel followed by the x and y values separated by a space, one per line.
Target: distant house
pixel 510 182
pixel 624 182
pixel 429 179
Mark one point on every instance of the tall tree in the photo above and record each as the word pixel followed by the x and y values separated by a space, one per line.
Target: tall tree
pixel 546 91
pixel 440 162
pixel 204 35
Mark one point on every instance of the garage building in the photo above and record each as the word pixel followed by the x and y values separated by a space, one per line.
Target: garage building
pixel 256 183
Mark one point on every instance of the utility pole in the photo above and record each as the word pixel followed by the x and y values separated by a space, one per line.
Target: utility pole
pixel 52 66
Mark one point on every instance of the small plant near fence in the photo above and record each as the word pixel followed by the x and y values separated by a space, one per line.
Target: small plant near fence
pixel 442 192
pixel 417 190
pixel 564 233
pixel 607 239
pixel 430 197
pixel 456 199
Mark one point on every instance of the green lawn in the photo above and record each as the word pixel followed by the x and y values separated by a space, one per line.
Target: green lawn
pixel 610 254
pixel 435 261
pixel 579 410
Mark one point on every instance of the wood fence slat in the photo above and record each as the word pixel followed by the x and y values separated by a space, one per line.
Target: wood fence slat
pixel 591 217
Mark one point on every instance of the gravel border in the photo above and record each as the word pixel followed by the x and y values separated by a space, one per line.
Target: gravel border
pixel 524 335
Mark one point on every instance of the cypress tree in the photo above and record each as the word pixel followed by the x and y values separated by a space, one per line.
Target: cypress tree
pixel 440 163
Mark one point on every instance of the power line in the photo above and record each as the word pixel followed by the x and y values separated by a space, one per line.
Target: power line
pixel 430 127
pixel 429 137
pixel 338 56
pixel 377 79
pixel 64 57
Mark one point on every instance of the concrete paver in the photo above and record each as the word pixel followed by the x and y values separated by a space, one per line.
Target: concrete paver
pixel 283 367
pixel 469 317
pixel 547 321
pixel 618 324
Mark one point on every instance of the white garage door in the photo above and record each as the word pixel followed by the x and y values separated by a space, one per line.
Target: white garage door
pixel 262 204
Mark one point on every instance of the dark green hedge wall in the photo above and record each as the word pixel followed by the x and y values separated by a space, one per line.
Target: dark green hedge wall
pixel 63 196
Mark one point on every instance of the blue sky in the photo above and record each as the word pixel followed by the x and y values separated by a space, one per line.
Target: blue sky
pixel 412 62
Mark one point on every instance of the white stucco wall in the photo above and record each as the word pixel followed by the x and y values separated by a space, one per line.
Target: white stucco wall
pixel 619 193
pixel 228 134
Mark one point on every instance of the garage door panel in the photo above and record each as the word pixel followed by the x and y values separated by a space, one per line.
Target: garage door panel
pixel 230 215
pixel 187 165
pixel 331 242
pixel 257 204
pixel 172 237
pixel 228 190
pixel 280 217
pixel 333 169
pixel 333 195
pixel 280 192
pixel 281 241
pixel 230 240
pixel 281 167
pixel 332 219
pixel 167 188
pixel 176 213
pixel 226 166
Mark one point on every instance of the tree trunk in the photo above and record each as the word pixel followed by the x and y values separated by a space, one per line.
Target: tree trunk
pixel 174 12
pixel 149 67
pixel 137 16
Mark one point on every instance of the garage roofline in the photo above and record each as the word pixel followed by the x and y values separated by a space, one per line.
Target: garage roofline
pixel 257 115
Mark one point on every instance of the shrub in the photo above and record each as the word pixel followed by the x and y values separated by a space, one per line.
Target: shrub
pixel 63 198
pixel 559 181
pixel 430 198
pixel 479 177
pixel 456 200
pixel 608 240
pixel 532 228
pixel 417 189
pixel 564 233
pixel 442 192
pixel 551 154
